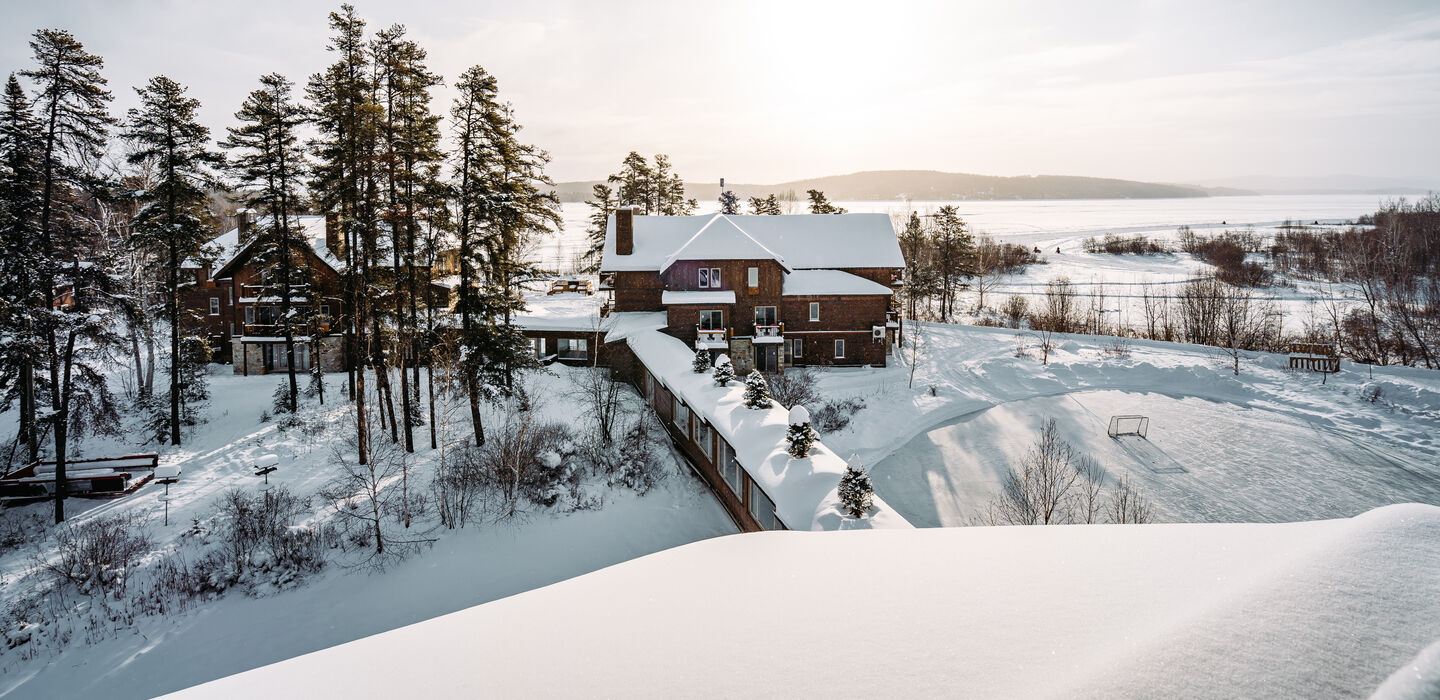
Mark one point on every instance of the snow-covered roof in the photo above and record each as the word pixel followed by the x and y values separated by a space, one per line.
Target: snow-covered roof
pixel 801 241
pixel 801 283
pixel 804 490
pixel 683 297
pixel 312 228
pixel 620 325
pixel 721 239
pixel 567 311
pixel 1333 608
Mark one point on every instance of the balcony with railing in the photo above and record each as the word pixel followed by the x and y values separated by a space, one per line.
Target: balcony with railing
pixel 769 333
pixel 712 338
pixel 897 279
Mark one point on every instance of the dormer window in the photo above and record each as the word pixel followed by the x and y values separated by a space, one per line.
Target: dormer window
pixel 709 278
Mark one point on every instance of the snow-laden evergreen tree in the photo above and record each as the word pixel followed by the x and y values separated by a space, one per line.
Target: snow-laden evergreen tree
pixel 954 257
pixel 71 105
pixel 170 141
pixel 345 116
pixel 757 390
pixel 268 164
pixel 800 436
pixel 701 364
pixel 856 493
pixel 729 203
pixel 724 371
pixel 653 188
pixel 768 206
pixel 21 347
pixel 602 203
pixel 820 205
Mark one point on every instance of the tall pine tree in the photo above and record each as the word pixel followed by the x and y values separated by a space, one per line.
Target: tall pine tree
pixel 171 218
pixel 21 349
pixel 71 104
pixel 268 165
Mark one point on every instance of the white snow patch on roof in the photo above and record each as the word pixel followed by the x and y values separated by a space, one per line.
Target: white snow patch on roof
pixel 1312 609
pixel 620 325
pixel 683 297
pixel 802 283
pixel 568 311
pixel 804 490
pixel 803 241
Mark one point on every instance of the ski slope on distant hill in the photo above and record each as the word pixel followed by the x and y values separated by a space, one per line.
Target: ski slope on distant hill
pixel 1318 609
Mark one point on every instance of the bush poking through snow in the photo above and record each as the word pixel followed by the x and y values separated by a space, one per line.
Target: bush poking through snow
pixel 96 555
pixel 800 436
pixel 835 414
pixel 702 361
pixel 1056 485
pixel 724 371
pixel 794 387
pixel 757 391
pixel 856 493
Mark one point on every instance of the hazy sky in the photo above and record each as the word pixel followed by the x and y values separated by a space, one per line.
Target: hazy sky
pixel 769 91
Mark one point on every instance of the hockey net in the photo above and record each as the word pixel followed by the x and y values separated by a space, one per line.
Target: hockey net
pixel 1129 425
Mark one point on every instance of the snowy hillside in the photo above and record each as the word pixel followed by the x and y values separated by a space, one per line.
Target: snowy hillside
pixel 1319 609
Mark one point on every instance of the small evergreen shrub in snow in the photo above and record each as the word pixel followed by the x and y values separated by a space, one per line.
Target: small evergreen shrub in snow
pixel 800 435
pixel 757 392
pixel 856 493
pixel 702 361
pixel 724 371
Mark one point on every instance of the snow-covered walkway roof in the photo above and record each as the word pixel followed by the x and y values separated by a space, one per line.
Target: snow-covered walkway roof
pixel 799 241
pixel 1316 609
pixel 669 298
pixel 804 490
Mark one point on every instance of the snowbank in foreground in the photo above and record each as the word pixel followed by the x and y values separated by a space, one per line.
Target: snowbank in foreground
pixel 1319 609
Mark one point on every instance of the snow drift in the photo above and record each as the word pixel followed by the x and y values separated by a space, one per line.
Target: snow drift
pixel 1318 609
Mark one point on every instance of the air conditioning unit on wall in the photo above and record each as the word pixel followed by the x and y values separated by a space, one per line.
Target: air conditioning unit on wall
pixel 877 332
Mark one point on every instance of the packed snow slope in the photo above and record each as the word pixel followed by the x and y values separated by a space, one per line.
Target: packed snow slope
pixel 1317 609
pixel 1267 445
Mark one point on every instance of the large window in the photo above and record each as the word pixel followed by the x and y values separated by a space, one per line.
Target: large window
pixel 839 349
pixel 729 468
pixel 539 345
pixel 814 311
pixel 794 350
pixel 571 348
pixel 710 278
pixel 764 315
pixel 753 277
pixel 763 508
pixel 682 417
pixel 702 437
pixel 712 320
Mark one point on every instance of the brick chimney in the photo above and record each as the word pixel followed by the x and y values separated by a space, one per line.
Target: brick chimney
pixel 245 224
pixel 625 230
pixel 333 239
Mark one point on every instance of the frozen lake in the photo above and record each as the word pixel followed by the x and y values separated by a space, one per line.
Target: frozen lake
pixel 1038 222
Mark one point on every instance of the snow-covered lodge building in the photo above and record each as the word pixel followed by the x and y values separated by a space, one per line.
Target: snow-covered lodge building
pixel 771 291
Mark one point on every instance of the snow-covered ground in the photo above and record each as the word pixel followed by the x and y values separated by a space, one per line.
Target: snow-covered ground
pixel 1318 609
pixel 1267 445
pixel 463 568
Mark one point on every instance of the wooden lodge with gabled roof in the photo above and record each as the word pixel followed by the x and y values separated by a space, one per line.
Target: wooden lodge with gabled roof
pixel 771 291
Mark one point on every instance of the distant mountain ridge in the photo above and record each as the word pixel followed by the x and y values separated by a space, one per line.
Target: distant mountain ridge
pixel 936 185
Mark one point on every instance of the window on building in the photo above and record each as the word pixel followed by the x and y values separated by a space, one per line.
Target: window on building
pixel 764 315
pixel 814 311
pixel 230 296
pixel 703 439
pixel 753 277
pixel 796 350
pixel 682 417
pixel 325 310
pixel 712 320
pixel 704 277
pixel 839 349
pixel 763 508
pixel 249 315
pixel 571 348
pixel 729 468
pixel 539 345
pixel 715 278
pixel 214 306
